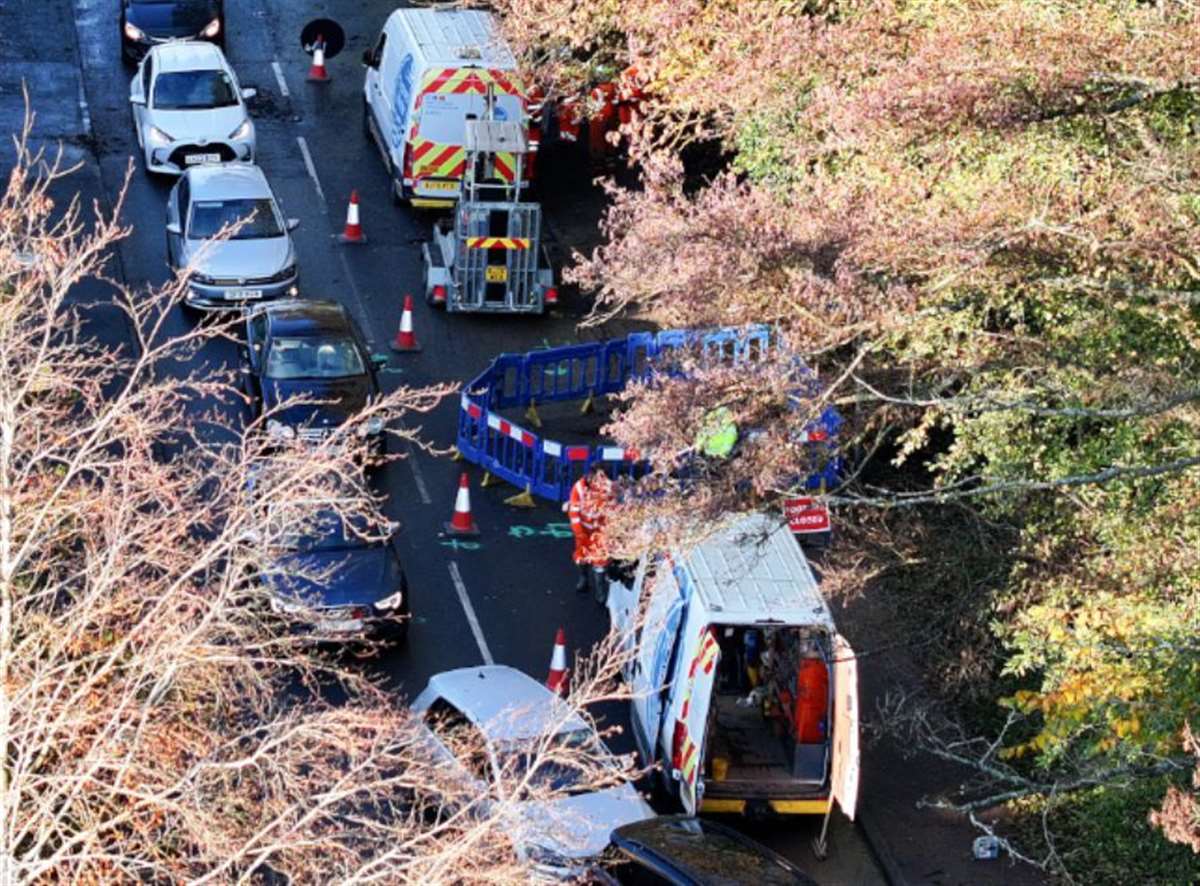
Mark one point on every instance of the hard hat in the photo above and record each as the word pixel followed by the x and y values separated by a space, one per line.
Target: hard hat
pixel 718 433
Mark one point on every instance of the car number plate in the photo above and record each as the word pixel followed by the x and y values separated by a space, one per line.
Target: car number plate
pixel 495 274
pixel 439 186
pixel 244 293
pixel 341 626
pixel 193 159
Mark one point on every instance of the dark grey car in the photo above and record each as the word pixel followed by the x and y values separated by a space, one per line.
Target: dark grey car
pixel 255 262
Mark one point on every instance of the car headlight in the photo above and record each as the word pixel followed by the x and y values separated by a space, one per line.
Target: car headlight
pixel 277 430
pixel 211 29
pixel 372 426
pixel 241 132
pixel 157 135
pixel 202 279
pixel 395 601
pixel 134 33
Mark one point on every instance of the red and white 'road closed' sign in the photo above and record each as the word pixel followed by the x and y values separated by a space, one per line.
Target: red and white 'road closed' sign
pixel 805 515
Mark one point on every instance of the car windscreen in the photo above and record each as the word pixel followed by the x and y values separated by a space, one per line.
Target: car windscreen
pixel 330 532
pixel 193 90
pixel 444 115
pixel 555 766
pixel 292 358
pixel 256 217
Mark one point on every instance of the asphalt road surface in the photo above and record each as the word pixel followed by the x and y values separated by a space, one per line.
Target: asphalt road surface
pixel 498 599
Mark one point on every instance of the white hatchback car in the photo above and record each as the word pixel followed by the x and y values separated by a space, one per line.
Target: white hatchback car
pixel 188 108
pixel 511 713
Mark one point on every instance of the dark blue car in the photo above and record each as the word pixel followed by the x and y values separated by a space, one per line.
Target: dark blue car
pixel 311 350
pixel 147 22
pixel 341 582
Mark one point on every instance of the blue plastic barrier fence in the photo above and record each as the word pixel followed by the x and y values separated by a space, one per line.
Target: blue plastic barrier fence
pixel 548 468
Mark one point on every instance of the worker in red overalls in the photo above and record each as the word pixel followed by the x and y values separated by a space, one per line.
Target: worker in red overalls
pixel 587 506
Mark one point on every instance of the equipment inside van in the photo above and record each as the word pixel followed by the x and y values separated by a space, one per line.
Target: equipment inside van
pixel 744 692
pixel 429 72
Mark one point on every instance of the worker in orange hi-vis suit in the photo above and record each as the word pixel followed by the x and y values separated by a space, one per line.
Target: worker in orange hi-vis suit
pixel 602 119
pixel 586 508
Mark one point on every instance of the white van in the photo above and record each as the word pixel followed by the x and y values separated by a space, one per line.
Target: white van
pixel 744 692
pixel 429 70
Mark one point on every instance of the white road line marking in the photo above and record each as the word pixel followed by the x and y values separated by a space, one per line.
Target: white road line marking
pixel 283 89
pixel 85 116
pixel 363 316
pixel 312 169
pixel 456 577
pixel 422 489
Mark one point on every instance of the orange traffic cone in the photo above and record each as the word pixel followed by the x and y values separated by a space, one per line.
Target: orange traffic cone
pixel 462 523
pixel 317 73
pixel 405 341
pixel 558 681
pixel 353 230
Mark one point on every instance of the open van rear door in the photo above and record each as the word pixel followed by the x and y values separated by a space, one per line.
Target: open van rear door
pixel 844 786
pixel 687 748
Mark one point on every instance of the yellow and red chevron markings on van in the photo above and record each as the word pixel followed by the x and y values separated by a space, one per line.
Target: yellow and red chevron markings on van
pixel 430 159
pixel 497 243
pixel 463 80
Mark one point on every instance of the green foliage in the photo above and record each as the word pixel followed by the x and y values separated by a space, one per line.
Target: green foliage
pixel 1105 839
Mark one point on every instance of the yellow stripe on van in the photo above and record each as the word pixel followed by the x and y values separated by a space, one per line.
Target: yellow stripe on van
pixel 732 807
pixel 782 807
pixel 801 807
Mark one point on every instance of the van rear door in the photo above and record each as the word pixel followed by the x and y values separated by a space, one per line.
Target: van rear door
pixel 845 776
pixel 687 752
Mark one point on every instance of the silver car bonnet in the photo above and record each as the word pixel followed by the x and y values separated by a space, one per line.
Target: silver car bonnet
pixel 578 827
pixel 238 258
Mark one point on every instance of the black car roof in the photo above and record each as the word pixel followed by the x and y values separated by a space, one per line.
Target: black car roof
pixel 307 317
pixel 700 852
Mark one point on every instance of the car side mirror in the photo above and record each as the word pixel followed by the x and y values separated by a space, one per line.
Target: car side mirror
pixel 174 229
pixel 249 92
pixel 368 59
pixel 380 360
pixel 293 223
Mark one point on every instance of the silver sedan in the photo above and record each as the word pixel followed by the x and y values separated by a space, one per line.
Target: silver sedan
pixel 224 223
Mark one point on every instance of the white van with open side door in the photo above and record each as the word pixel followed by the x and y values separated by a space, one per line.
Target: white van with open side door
pixel 428 72
pixel 744 693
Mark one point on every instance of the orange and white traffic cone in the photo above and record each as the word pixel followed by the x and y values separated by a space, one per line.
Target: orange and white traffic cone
pixel 353 233
pixel 317 73
pixel 462 523
pixel 405 341
pixel 558 680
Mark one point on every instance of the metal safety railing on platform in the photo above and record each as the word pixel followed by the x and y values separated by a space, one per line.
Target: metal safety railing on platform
pixel 548 468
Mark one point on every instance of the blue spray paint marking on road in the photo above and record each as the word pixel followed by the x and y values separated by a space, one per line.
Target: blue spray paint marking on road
pixel 459 545
pixel 561 369
pixel 551 530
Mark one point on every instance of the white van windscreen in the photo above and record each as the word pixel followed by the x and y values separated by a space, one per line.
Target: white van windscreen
pixel 444 115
